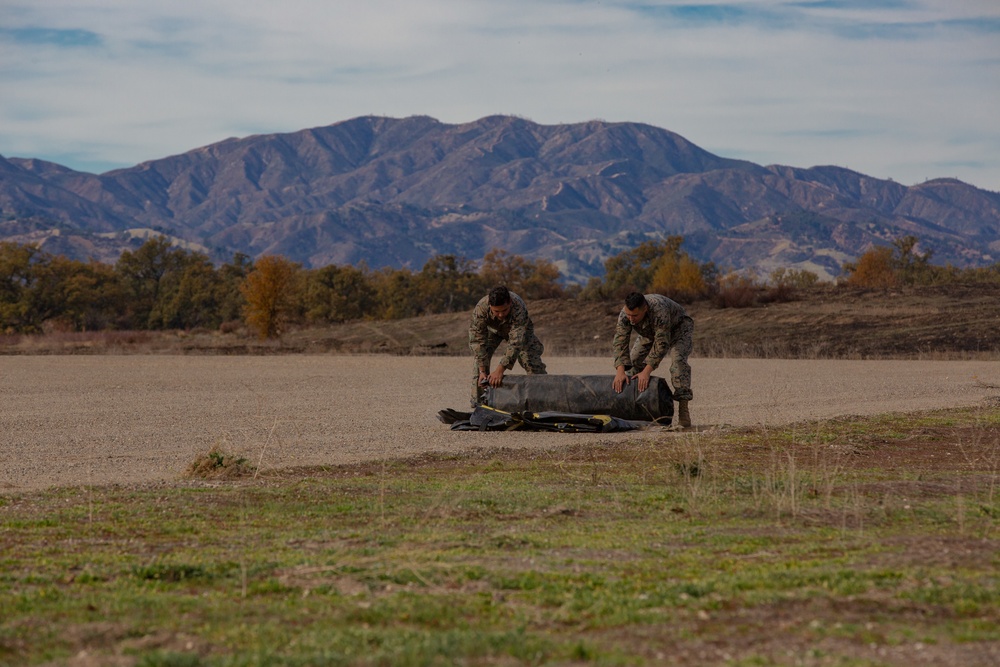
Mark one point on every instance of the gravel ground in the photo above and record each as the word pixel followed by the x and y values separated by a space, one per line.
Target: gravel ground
pixel 71 420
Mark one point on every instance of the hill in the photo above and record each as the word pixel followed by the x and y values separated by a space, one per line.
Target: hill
pixel 395 192
pixel 952 322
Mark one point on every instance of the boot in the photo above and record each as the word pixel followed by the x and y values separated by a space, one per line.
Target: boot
pixel 683 416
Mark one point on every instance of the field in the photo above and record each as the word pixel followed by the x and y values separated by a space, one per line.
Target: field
pixel 308 509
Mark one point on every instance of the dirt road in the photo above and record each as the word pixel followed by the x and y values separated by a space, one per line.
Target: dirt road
pixel 71 420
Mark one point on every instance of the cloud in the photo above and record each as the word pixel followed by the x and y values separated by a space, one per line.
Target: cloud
pixel 892 88
pixel 50 36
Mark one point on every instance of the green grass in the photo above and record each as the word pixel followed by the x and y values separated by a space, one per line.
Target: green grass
pixel 850 542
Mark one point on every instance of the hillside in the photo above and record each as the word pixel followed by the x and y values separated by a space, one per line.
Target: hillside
pixel 953 322
pixel 395 192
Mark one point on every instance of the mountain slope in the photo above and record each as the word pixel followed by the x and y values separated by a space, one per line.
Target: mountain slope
pixel 394 192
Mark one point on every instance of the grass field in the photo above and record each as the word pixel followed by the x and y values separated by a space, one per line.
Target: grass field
pixel 847 542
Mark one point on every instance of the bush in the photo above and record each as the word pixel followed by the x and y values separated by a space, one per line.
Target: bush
pixel 736 291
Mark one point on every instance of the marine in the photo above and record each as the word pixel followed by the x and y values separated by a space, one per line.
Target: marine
pixel 502 316
pixel 663 329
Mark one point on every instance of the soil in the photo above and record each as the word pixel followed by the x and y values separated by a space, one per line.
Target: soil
pixel 145 418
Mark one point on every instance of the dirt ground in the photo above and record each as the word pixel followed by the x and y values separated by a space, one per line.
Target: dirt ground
pixel 95 420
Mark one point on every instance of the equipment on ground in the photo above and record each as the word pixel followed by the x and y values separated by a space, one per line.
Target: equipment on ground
pixel 583 394
pixel 485 418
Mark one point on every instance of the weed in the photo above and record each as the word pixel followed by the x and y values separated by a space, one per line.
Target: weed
pixel 218 464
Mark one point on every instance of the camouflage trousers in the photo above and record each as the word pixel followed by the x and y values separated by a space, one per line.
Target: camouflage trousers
pixel 680 349
pixel 530 358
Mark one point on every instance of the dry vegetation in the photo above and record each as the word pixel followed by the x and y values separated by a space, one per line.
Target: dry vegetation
pixel 954 321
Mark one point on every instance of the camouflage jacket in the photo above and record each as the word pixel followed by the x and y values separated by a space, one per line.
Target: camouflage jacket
pixel 657 326
pixel 486 331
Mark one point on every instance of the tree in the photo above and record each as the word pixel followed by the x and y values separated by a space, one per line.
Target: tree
pixel 538 279
pixel 891 266
pixel 447 284
pixel 39 290
pixel 271 291
pixel 680 277
pixel 634 269
pixel 188 295
pixel 338 293
pixel 873 269
pixel 659 266
pixel 142 274
pixel 78 296
pixel 231 275
pixel 911 266
pixel 17 275
pixel 396 293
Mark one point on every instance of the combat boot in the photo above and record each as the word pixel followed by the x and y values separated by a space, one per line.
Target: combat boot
pixel 683 416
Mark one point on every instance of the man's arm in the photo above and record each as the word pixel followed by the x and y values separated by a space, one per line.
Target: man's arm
pixel 619 347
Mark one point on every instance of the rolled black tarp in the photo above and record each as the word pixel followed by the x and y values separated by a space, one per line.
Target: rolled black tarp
pixel 583 394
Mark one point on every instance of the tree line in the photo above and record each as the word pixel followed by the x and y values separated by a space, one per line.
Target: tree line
pixel 162 286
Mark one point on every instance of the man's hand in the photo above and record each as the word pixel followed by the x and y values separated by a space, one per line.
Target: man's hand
pixel 484 377
pixel 620 379
pixel 496 377
pixel 643 378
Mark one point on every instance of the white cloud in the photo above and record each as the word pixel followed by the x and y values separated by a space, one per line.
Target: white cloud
pixel 905 89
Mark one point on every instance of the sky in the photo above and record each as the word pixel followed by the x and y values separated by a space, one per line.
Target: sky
pixel 900 89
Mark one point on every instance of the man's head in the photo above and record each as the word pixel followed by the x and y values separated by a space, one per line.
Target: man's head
pixel 500 303
pixel 635 307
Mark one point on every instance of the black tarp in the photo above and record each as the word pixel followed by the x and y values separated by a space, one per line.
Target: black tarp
pixel 583 394
pixel 485 418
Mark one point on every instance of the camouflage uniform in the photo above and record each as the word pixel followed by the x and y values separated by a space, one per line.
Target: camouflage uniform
pixel 666 328
pixel 487 332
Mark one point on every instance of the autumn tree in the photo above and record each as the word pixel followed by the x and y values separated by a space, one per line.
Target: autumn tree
pixel 272 294
pixel 531 279
pixel 873 269
pixel 895 265
pixel 634 269
pixel 660 266
pixel 679 276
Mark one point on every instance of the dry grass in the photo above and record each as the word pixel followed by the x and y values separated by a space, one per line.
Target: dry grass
pixel 954 322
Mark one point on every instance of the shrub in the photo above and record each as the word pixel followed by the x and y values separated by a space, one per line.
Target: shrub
pixel 874 269
pixel 736 291
pixel 217 464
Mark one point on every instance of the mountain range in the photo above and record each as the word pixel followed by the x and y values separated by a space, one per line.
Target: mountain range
pixel 395 192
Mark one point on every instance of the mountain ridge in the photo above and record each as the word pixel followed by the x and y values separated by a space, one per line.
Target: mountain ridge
pixel 395 192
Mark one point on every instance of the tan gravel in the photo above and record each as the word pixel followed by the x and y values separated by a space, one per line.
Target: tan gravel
pixel 71 420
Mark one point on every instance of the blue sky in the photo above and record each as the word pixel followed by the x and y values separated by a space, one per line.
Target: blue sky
pixel 901 89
